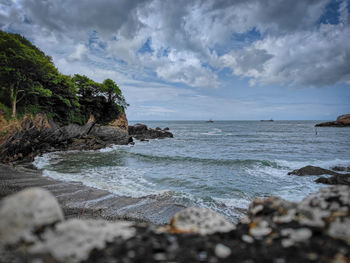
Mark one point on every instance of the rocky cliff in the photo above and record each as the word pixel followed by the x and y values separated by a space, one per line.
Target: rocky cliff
pixel 22 140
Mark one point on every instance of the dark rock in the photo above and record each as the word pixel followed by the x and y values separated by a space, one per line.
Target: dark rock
pixel 342 121
pixel 338 168
pixel 166 129
pixel 142 132
pixel 341 168
pixel 336 179
pixel 110 134
pixel 312 170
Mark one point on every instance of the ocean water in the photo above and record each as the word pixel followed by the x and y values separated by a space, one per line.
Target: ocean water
pixel 221 165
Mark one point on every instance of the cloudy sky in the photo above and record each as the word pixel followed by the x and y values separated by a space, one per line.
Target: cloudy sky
pixel 189 59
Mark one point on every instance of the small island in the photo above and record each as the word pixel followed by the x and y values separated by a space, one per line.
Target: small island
pixel 341 121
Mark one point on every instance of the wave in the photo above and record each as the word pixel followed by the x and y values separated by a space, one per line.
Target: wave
pixel 239 162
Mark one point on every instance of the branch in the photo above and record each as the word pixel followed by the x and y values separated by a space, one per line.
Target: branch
pixel 20 98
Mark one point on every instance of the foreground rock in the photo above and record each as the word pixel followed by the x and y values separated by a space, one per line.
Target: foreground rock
pixel 337 178
pixel 315 230
pixel 342 121
pixel 142 132
pixel 32 136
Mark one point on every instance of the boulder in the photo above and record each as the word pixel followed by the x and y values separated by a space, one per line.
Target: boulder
pixel 199 220
pixel 25 212
pixel 311 170
pixel 342 121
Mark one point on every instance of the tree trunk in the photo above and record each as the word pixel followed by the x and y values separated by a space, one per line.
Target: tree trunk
pixel 13 96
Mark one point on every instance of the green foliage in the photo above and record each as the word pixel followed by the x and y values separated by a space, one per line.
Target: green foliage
pixel 30 83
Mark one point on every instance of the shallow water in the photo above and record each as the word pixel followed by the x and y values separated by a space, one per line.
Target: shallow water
pixel 221 165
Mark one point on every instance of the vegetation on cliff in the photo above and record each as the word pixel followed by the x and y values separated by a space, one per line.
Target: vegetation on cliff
pixel 31 84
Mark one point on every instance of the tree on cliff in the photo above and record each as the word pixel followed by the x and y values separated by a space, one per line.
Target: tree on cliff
pixel 31 84
pixel 22 67
pixel 113 93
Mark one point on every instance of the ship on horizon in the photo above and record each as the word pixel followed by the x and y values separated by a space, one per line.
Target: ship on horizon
pixel 267 120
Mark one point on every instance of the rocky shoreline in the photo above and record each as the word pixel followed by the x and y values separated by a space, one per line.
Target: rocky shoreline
pixel 32 136
pixel 33 229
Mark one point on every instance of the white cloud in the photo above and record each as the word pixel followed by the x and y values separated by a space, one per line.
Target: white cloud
pixel 304 58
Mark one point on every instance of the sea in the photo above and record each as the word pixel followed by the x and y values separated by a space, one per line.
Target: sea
pixel 221 165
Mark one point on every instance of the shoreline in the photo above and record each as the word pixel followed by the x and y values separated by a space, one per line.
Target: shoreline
pixel 80 201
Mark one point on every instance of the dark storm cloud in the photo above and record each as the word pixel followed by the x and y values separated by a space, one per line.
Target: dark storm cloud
pixel 69 16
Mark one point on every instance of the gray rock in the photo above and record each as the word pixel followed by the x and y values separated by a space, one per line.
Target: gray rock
pixel 110 134
pixel 25 212
pixel 222 251
pixel 200 220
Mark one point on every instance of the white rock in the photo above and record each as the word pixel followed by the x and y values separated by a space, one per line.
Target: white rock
pixel 222 251
pixel 23 212
pixel 247 239
pixel 72 240
pixel 200 220
pixel 262 229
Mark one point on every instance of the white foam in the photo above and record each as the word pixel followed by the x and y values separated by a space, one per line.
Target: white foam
pixel 321 163
pixel 214 131
pixel 118 180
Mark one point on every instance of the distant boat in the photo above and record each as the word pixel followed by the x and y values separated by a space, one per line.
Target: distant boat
pixel 267 120
pixel 210 120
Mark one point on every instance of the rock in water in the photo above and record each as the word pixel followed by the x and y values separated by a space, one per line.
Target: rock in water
pixel 336 179
pixel 312 170
pixel 142 132
pixel 25 212
pixel 342 121
pixel 199 220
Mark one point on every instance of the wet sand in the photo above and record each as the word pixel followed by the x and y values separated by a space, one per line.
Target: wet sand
pixel 78 200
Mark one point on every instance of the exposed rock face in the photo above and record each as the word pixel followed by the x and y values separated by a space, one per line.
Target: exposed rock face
pixel 342 121
pixel 142 132
pixel 312 170
pixel 34 136
pixel 275 230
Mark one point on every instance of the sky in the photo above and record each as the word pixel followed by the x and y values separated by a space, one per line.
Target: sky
pixel 200 60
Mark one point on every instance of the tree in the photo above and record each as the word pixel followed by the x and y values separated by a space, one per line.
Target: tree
pixel 22 67
pixel 113 93
pixel 86 88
